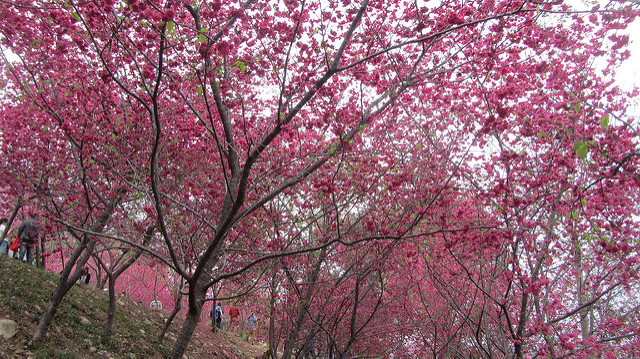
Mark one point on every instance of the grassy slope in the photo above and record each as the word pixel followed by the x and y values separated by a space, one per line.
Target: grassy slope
pixel 25 290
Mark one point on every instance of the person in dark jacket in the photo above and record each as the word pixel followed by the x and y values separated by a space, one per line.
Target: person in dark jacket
pixel 86 276
pixel 27 233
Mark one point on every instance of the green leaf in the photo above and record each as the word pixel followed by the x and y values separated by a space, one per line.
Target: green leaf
pixel 75 16
pixel 201 38
pixel 199 89
pixel 576 107
pixel 582 149
pixel 240 65
pixel 604 123
pixel 170 25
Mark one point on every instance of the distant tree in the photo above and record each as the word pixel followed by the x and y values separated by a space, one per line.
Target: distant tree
pixel 114 267
pixel 403 116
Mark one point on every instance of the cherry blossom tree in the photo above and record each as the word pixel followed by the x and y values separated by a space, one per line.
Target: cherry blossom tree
pixel 481 129
pixel 66 170
pixel 113 268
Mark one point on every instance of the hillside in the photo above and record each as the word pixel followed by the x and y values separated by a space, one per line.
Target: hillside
pixel 77 328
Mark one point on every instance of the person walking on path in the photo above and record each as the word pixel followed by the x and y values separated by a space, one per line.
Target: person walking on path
pixel 252 321
pixel 219 315
pixel 216 317
pixel 86 276
pixel 27 233
pixel 234 313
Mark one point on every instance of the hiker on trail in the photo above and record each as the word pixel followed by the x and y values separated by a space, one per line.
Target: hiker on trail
pixel 234 313
pixel 251 325
pixel 155 304
pixel 27 233
pixel 219 315
pixel 14 247
pixel 216 317
pixel 86 276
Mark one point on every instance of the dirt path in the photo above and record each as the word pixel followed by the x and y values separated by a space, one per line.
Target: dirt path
pixel 223 344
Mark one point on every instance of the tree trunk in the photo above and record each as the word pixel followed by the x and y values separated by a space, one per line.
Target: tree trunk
pixel 10 220
pixel 43 259
pixel 177 305
pixel 64 284
pixel 108 327
pixel 188 327
pixel 47 316
pixel 214 321
pixel 78 259
pixel 311 280
pixel 580 292
pixel 113 275
pixel 273 348
pixel 101 281
pixel 197 296
pixel 37 254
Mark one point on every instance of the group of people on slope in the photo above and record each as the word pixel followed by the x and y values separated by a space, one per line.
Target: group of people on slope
pixel 22 243
pixel 216 314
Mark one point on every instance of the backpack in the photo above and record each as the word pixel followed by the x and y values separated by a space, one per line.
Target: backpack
pixel 15 245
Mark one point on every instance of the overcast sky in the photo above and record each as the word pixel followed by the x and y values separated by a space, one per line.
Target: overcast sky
pixel 629 73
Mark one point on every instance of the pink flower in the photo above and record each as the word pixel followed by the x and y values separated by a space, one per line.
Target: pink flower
pixel 168 15
pixel 224 48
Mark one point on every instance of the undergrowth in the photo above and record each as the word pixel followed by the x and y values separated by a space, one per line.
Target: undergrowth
pixel 77 329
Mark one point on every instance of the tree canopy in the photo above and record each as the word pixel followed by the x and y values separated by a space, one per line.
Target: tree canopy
pixel 451 178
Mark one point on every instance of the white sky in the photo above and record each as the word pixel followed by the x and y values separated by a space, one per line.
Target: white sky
pixel 629 73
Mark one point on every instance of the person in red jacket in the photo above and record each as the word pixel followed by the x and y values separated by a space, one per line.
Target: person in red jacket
pixel 234 313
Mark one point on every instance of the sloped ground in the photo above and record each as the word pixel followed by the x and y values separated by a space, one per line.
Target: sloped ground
pixel 77 328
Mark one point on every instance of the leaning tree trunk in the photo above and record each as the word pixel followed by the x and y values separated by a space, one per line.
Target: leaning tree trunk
pixel 78 259
pixel 177 305
pixel 197 294
pixel 65 283
pixel 47 316
pixel 12 217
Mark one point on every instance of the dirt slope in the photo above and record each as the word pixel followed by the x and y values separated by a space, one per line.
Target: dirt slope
pixel 77 328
